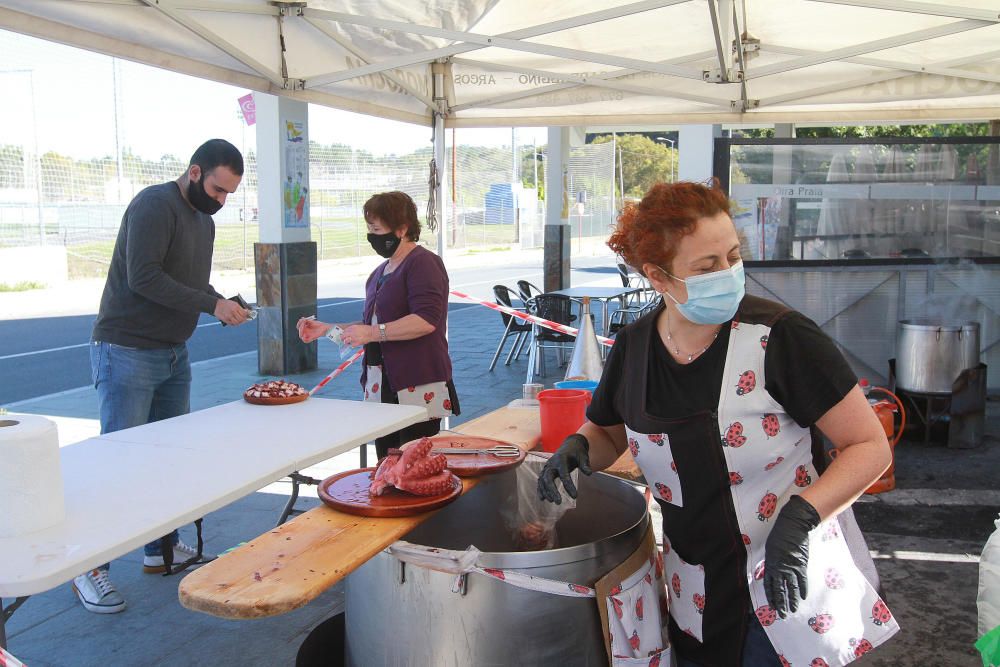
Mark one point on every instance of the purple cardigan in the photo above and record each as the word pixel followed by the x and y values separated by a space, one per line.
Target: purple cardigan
pixel 418 286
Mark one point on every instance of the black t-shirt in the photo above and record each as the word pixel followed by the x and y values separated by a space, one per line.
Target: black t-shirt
pixel 804 372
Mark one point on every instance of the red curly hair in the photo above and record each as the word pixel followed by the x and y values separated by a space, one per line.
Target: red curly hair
pixel 650 230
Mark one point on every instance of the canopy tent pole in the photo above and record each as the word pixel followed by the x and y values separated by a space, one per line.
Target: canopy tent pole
pixel 556 256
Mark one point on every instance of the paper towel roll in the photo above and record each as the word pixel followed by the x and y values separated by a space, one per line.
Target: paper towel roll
pixel 31 486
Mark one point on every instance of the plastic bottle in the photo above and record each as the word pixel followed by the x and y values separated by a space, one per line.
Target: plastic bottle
pixel 866 388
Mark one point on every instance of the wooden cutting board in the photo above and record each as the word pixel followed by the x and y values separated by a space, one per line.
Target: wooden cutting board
pixel 348 492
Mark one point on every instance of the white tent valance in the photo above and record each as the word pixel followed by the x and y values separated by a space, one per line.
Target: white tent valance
pixel 520 62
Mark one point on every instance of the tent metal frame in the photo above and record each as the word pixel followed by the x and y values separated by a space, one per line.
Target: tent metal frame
pixel 727 64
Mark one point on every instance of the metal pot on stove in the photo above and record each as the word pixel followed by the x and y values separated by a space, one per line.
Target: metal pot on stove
pixel 397 613
pixel 930 355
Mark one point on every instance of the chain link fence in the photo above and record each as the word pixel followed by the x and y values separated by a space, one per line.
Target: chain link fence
pixel 493 195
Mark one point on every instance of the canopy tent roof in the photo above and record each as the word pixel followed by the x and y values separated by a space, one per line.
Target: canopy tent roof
pixel 523 62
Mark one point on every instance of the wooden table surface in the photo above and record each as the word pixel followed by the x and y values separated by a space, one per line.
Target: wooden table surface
pixel 293 564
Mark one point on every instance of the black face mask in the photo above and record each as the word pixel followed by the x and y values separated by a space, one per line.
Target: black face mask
pixel 200 199
pixel 384 244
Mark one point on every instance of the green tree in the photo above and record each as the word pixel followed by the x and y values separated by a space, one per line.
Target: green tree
pixel 643 162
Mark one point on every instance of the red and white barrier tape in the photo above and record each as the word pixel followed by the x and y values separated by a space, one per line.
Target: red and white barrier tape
pixel 540 321
pixel 7 660
pixel 338 370
pixel 534 319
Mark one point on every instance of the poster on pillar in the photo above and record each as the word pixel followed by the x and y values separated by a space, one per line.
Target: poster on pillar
pixel 295 189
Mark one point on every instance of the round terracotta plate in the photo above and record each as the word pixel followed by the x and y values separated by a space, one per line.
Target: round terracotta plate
pixel 282 400
pixel 348 492
pixel 473 465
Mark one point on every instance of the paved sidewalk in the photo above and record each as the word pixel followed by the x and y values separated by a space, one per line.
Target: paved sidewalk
pixel 926 536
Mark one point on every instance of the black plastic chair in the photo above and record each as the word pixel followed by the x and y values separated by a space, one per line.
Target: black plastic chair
pixel 619 318
pixel 559 309
pixel 528 291
pixel 513 326
pixel 632 279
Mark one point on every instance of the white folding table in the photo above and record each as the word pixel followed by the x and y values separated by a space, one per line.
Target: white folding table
pixel 130 487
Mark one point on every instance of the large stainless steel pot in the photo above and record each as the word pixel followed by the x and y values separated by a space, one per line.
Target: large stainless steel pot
pixel 931 355
pixel 407 615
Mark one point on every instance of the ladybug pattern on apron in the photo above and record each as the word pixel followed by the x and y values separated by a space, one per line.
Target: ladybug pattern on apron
pixel 842 611
pixel 768 458
pixel 636 619
pixel 653 450
pixel 433 396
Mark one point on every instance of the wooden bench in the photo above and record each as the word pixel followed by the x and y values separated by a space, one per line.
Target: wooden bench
pixel 293 564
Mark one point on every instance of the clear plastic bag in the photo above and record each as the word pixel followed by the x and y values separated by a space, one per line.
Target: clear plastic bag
pixel 343 348
pixel 532 522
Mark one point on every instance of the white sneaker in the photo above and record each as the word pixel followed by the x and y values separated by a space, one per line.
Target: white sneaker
pixel 97 593
pixel 182 553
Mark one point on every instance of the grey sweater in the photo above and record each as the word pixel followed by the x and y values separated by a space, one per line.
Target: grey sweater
pixel 158 281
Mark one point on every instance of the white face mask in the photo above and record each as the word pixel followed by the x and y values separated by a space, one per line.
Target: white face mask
pixel 713 298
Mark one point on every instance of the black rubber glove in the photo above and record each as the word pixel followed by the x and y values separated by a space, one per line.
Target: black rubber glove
pixel 786 555
pixel 572 454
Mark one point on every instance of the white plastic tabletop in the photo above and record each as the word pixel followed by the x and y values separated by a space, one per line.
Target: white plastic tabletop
pixel 127 488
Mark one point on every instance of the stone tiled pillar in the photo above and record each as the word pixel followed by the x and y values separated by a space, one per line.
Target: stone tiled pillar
pixel 285 258
pixel 286 291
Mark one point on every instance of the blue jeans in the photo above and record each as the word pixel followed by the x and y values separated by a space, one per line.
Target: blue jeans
pixel 137 386
pixel 757 649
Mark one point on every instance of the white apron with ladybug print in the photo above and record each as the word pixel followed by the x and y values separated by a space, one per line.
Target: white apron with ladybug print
pixel 433 396
pixel 770 459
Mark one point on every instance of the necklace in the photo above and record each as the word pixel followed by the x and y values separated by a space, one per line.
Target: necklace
pixel 676 350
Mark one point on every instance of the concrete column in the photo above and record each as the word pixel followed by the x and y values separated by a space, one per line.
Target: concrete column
pixel 285 257
pixel 557 230
pixel 696 147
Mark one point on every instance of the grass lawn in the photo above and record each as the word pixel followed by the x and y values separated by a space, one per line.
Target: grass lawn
pixel 336 237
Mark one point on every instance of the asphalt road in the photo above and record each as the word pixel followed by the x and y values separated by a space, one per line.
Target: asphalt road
pixel 41 356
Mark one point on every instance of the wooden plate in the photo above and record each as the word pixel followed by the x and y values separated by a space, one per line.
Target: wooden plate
pixel 473 465
pixel 348 492
pixel 280 400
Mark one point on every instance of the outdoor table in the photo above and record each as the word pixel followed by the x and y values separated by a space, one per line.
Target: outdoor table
pixel 602 295
pixel 293 564
pixel 130 487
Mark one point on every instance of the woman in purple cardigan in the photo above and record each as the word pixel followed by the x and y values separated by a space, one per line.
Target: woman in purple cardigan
pixel 405 319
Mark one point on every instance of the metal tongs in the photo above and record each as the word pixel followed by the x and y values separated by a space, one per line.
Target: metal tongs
pixel 502 451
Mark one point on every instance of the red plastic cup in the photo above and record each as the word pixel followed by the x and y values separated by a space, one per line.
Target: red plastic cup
pixel 562 412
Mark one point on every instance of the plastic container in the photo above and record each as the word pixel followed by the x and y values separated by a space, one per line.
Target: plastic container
pixel 989 586
pixel 588 385
pixel 562 412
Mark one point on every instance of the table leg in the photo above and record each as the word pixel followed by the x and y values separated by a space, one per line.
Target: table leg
pixel 5 614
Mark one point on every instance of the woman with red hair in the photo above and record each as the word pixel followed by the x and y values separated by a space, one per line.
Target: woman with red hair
pixel 720 397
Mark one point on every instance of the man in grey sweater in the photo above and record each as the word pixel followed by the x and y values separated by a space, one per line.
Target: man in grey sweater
pixel 157 288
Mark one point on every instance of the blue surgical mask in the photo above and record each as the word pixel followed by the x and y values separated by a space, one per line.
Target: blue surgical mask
pixel 713 297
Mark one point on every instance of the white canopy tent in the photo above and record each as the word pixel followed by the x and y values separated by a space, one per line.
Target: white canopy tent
pixel 521 62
